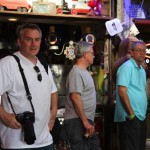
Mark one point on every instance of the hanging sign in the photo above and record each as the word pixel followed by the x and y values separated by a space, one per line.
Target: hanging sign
pixel 114 26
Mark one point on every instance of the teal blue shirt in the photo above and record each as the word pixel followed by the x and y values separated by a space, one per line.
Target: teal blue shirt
pixel 134 78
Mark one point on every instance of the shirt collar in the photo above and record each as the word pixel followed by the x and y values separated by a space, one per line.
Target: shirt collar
pixel 134 63
pixel 24 59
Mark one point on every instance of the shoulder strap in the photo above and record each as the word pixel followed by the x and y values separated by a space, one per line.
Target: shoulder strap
pixel 23 77
pixel 10 103
pixel 29 97
pixel 43 61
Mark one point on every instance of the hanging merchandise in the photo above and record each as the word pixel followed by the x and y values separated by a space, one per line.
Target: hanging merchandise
pixel 69 51
pixel 53 41
pixel 95 7
pixel 147 56
pixel 114 26
pixel 129 29
pixel 89 38
pixel 69 47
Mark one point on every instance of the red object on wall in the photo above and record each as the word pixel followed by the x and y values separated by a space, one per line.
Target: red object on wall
pixel 92 4
pixel 95 6
pixel 59 10
pixel 19 5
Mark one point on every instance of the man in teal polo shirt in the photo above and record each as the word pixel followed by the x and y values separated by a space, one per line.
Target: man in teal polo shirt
pixel 131 100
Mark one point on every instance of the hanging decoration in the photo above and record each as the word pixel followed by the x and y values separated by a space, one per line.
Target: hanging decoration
pixel 95 7
pixel 89 38
pixel 69 51
pixel 53 41
pixel 69 47
pixel 114 26
pixel 147 56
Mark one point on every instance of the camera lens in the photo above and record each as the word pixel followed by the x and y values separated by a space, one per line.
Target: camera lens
pixel 29 134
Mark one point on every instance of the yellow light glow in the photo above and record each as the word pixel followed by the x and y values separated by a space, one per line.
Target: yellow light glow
pixel 12 19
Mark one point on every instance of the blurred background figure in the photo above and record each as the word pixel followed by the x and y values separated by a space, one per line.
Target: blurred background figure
pixel 123 54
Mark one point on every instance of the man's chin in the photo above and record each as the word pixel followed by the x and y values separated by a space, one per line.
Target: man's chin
pixel 34 52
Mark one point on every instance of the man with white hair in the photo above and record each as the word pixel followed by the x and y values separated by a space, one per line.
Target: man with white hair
pixel 81 101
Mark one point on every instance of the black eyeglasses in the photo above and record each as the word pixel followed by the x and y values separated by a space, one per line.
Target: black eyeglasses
pixel 140 50
pixel 39 76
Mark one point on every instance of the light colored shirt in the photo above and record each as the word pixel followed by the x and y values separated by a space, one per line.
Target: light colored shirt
pixel 11 81
pixel 79 80
pixel 134 79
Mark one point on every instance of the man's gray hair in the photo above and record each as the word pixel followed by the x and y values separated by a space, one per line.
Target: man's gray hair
pixel 134 43
pixel 81 47
pixel 22 27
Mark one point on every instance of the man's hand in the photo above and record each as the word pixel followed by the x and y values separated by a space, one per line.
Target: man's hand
pixel 90 129
pixel 9 120
pixel 78 105
pixel 51 124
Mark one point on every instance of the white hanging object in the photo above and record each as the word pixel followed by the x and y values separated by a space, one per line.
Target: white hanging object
pixel 114 26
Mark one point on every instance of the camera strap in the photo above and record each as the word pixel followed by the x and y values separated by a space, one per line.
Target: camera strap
pixel 29 97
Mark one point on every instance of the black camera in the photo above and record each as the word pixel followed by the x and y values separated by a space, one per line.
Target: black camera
pixel 27 119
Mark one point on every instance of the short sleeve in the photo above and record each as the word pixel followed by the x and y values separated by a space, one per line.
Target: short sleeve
pixel 123 75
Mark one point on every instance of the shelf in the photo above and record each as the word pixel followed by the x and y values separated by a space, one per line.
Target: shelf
pixel 143 26
pixel 142 22
pixel 52 19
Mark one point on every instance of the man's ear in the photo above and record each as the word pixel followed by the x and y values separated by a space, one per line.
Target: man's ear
pixel 84 54
pixel 131 52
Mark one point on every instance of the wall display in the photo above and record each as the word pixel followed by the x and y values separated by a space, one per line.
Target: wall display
pixel 74 7
pixel 69 51
pixel 114 26
pixel 19 5
pixel 69 28
pixel 41 7
pixel 52 41
pixel 90 38
pixel 95 7
pixel 80 5
pixel 147 59
pixel 136 11
pixel 69 47
pixel 46 6
pixel 129 29
pixel 140 9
